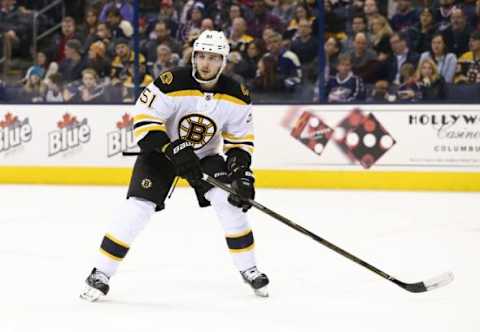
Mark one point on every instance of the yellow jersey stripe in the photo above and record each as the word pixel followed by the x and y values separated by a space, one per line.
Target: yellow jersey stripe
pixel 103 252
pixel 232 99
pixel 117 241
pixel 151 127
pixel 231 137
pixel 198 93
pixel 240 234
pixel 237 251
pixel 185 93
pixel 141 117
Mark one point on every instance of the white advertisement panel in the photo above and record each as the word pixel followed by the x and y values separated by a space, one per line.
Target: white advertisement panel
pixel 65 135
pixel 379 137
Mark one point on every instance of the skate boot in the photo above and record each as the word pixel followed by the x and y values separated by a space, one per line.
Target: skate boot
pixel 257 280
pixel 97 286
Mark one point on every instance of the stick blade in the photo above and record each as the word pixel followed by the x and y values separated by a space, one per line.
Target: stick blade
pixel 430 284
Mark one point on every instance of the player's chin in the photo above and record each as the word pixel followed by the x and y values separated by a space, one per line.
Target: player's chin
pixel 206 76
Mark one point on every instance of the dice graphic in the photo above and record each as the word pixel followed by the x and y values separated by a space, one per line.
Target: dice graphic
pixel 311 131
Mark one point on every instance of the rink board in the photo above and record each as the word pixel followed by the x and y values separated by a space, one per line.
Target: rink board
pixel 399 147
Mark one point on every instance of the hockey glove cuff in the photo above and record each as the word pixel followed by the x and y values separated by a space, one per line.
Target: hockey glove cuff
pixel 185 161
pixel 243 184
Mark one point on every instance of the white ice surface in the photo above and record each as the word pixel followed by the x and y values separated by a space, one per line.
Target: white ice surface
pixel 178 275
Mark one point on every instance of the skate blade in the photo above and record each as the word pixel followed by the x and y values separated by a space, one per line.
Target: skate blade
pixel 261 292
pixel 90 294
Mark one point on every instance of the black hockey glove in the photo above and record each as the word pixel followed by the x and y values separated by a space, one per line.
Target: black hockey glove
pixel 242 182
pixel 186 162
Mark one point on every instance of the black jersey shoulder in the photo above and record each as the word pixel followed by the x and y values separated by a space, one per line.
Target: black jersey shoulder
pixel 229 86
pixel 175 80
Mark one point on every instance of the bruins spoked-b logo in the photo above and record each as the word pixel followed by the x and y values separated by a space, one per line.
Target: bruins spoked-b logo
pixel 197 129
pixel 146 183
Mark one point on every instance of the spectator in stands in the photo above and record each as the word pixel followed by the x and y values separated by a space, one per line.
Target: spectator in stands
pixel 469 9
pixel 355 8
pixel 122 6
pixel 166 60
pixel 267 33
pixel 380 93
pixel 72 66
pixel 443 13
pixel 266 79
pixel 122 64
pixel 207 24
pixel 261 19
pixel 458 33
pixel 401 54
pixel 169 14
pixel 380 37
pixel 468 69
pixel 34 88
pixel 431 83
pixel 405 16
pixel 475 21
pixel 344 86
pixel 334 23
pixel 15 26
pixel 119 27
pixel 301 12
pixel 59 41
pixel 41 61
pixel 305 46
pixel 193 20
pixel 97 59
pixel 233 59
pixel 359 24
pixel 233 12
pixel 186 59
pixel 421 34
pixel 446 62
pixel 332 51
pixel 104 33
pixel 409 89
pixel 54 93
pixel 361 55
pixel 370 10
pixel 89 27
pixel 128 91
pixel 88 92
pixel 284 9
pixel 238 38
pixel 288 65
pixel 247 67
pixel 161 36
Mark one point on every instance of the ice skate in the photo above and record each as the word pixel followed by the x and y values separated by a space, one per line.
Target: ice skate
pixel 97 286
pixel 257 280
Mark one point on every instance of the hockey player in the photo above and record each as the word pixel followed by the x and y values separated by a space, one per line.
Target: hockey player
pixel 180 123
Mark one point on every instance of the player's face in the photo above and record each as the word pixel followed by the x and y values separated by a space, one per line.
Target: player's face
pixel 208 64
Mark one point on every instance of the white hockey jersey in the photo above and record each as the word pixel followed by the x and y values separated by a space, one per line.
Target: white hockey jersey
pixel 176 103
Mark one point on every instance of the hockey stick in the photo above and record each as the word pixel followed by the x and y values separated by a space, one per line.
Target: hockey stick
pixel 417 287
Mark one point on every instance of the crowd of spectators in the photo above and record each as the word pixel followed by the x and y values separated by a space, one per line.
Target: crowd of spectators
pixel 404 51
pixel 274 47
pixel 374 51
